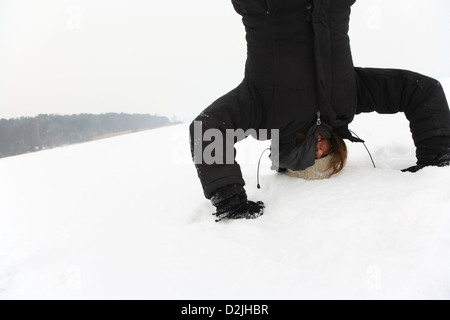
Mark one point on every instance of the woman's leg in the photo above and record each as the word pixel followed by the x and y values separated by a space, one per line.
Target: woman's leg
pixel 423 101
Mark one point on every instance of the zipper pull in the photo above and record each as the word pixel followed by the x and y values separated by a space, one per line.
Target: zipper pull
pixel 319 121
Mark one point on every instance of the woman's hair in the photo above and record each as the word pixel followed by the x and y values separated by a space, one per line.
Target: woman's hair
pixel 338 151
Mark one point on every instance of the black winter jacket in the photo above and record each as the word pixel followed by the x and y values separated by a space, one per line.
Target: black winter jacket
pixel 299 62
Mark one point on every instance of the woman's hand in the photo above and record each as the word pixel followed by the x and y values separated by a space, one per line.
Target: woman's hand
pixel 248 210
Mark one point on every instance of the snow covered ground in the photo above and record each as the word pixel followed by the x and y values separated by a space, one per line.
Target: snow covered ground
pixel 125 218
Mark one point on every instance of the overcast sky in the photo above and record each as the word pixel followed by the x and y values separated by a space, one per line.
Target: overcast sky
pixel 176 57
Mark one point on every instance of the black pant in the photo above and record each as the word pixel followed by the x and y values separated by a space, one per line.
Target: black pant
pixel 385 91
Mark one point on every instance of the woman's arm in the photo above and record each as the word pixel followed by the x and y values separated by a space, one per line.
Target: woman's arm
pixel 423 101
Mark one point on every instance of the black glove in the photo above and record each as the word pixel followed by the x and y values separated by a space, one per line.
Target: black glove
pixel 231 203
pixel 247 210
pixel 442 162
pixel 434 152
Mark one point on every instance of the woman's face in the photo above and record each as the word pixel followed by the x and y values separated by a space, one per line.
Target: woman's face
pixel 323 147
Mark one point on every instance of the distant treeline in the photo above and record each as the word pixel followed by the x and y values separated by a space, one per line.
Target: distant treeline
pixel 23 135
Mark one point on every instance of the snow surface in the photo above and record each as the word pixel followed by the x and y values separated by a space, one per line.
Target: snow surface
pixel 125 218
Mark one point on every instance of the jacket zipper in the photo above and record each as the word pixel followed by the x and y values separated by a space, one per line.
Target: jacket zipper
pixel 268 6
pixel 319 120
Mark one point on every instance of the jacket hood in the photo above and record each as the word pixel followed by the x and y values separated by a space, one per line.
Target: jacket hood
pixel 303 156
